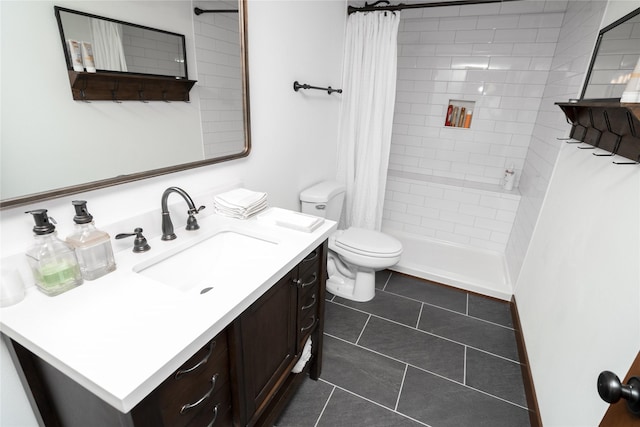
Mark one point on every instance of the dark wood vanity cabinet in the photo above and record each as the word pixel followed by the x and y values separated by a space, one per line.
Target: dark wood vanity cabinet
pixel 196 394
pixel 242 377
pixel 271 335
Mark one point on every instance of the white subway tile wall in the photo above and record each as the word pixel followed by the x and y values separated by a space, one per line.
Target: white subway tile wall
pixel 217 41
pixel 151 52
pixel 459 211
pixel 498 55
pixel 573 52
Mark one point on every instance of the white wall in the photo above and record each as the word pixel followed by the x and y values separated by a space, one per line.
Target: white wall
pixel 293 134
pixel 578 292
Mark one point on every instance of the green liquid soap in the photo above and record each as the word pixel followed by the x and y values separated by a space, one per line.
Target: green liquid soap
pixel 57 278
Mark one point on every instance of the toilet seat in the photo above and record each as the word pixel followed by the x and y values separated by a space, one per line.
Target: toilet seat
pixel 368 243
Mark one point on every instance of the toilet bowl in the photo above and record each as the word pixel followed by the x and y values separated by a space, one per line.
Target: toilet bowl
pixel 355 254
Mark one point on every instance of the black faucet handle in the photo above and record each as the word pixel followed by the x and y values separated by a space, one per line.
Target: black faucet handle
pixel 139 243
pixel 195 210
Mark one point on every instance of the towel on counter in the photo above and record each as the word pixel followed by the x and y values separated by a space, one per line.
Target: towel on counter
pixel 240 203
pixel 291 219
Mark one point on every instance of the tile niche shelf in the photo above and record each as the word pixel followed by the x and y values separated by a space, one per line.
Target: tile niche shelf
pixel 459 114
pixel 106 86
pixel 609 125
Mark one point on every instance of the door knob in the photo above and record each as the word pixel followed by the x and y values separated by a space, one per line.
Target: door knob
pixel 612 390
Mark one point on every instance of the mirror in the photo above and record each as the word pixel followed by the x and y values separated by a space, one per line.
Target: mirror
pixel 122 46
pixel 614 57
pixel 219 130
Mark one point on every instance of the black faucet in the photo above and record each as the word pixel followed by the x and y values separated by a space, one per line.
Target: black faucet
pixel 167 225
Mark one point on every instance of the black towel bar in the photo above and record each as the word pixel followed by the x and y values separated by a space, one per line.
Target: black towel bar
pixel 330 90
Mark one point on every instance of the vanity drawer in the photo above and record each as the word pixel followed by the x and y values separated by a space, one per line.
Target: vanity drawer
pixel 217 411
pixel 193 386
pixel 310 262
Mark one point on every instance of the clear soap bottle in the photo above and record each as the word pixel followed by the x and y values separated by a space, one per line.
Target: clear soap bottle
pixel 92 246
pixel 53 263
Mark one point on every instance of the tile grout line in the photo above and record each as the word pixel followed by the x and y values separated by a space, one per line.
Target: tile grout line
pixel 467 308
pixel 362 331
pixel 404 376
pixel 464 366
pixel 325 406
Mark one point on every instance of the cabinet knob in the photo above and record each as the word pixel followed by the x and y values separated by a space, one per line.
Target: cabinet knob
pixel 611 390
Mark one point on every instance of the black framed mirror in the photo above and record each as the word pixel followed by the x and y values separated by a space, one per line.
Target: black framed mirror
pixel 614 58
pixel 124 47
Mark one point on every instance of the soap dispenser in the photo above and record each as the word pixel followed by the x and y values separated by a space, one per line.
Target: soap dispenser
pixel 53 263
pixel 92 246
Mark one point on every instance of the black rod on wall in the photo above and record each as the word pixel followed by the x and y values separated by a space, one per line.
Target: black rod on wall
pixel 373 7
pixel 199 11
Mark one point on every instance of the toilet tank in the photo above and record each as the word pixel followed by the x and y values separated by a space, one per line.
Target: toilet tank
pixel 323 199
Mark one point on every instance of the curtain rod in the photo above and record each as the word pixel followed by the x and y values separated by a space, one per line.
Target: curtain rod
pixel 199 11
pixel 401 6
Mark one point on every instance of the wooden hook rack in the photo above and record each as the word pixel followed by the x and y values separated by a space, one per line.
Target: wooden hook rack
pixel 117 87
pixel 609 125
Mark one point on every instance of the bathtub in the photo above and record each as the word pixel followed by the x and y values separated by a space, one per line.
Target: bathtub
pixel 471 269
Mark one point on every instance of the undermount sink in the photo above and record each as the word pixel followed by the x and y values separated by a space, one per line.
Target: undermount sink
pixel 209 261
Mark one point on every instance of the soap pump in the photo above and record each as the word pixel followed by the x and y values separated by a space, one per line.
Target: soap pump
pixel 53 263
pixel 92 246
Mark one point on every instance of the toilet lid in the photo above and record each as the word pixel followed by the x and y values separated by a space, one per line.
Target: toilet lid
pixel 368 242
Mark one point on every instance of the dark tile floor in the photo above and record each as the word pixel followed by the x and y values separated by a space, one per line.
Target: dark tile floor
pixel 418 354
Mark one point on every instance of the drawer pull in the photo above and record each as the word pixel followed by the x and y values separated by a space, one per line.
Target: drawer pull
pixel 215 416
pixel 187 406
pixel 307 307
pixel 312 256
pixel 313 322
pixel 181 372
pixel 313 280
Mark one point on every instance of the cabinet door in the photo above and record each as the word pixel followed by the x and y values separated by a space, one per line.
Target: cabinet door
pixel 266 335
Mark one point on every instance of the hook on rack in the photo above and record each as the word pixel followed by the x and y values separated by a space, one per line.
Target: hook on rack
pixel 141 94
pixel 114 91
pixel 616 146
pixel 637 162
pixel 83 93
pixel 297 86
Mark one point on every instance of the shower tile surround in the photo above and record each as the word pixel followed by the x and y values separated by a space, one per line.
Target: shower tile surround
pixel 418 354
pixel 498 55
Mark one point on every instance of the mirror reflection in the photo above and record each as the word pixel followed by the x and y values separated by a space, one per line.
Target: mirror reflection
pixel 615 56
pixel 213 128
pixel 125 47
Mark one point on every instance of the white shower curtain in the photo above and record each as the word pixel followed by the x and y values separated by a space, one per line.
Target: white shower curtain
pixel 369 90
pixel 108 50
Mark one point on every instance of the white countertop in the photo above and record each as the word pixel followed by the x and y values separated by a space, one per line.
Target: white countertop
pixel 123 334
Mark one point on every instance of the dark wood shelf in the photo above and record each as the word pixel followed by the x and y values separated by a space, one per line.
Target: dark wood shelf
pixel 107 86
pixel 606 124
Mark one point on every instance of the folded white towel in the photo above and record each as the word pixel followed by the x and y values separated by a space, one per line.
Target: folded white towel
pixel 240 203
pixel 240 213
pixel 240 198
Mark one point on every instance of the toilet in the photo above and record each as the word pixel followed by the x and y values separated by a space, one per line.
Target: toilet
pixel 355 254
